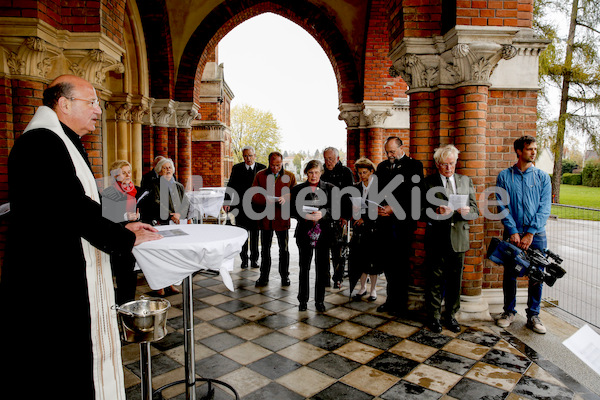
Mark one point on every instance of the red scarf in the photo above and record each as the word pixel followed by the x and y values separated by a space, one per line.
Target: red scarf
pixel 130 190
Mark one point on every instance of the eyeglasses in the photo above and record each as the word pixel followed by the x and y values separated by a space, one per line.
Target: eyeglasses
pixel 92 103
pixel 447 165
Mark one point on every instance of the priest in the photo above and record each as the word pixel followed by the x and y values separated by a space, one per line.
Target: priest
pixel 59 335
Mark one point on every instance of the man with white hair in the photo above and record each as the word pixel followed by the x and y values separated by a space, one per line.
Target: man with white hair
pixel 446 236
pixel 240 180
pixel 339 176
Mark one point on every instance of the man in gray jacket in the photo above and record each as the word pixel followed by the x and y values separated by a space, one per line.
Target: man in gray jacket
pixel 450 205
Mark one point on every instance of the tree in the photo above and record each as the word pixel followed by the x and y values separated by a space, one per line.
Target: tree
pixel 572 66
pixel 253 127
pixel 298 162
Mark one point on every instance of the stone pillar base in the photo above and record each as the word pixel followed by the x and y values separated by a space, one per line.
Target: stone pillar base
pixel 473 309
pixel 416 300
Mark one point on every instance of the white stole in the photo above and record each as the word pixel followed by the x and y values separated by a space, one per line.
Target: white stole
pixel 109 383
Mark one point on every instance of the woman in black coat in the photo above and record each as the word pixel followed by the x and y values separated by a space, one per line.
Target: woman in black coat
pixel 311 207
pixel 119 204
pixel 363 240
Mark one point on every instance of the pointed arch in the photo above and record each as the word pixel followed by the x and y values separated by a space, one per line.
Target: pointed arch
pixel 229 14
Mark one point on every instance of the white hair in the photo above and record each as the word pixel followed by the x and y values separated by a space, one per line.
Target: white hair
pixel 162 162
pixel 248 148
pixel 337 153
pixel 441 153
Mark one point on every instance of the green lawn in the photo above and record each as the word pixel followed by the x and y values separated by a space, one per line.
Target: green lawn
pixel 577 195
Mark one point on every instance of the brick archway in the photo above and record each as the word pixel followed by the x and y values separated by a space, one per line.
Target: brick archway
pixel 231 13
pixel 154 17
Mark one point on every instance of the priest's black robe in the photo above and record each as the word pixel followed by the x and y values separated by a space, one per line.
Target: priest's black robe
pixel 45 334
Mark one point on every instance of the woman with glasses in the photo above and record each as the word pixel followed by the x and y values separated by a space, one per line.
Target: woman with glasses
pixel 167 203
pixel 119 204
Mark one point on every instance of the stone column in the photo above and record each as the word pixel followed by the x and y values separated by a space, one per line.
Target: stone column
pixel 350 113
pixel 122 116
pixel 137 115
pixel 163 114
pixel 186 113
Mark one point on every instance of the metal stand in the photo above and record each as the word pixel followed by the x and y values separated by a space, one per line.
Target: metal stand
pixel 188 340
pixel 189 349
pixel 146 370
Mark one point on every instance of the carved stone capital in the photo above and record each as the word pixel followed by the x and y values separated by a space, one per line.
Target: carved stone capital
pixel 463 56
pixel 118 110
pixel 474 63
pixel 163 112
pixel 416 70
pixel 350 113
pixel 375 116
pixel 94 66
pixel 186 113
pixel 138 113
pixel 30 59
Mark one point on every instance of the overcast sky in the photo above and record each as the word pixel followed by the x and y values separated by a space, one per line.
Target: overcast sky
pixel 274 65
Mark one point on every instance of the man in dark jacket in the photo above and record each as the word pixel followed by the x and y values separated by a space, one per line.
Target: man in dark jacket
pixel 396 223
pixel 339 176
pixel 50 177
pixel 241 179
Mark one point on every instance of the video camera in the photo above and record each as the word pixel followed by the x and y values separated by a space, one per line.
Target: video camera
pixel 539 265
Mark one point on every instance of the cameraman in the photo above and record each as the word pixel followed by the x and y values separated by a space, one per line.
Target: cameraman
pixel 528 204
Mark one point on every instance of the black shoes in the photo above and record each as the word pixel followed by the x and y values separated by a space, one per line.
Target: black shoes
pixel 255 265
pixel 359 296
pixel 320 307
pixel 452 324
pixel 385 307
pixel 302 307
pixel 261 283
pixel 435 326
pixel 285 282
pixel 245 265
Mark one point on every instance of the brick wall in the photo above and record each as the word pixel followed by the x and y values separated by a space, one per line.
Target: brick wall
pixel 49 11
pixel 423 18
pixel 207 162
pixel 6 143
pixel 378 84
pixel 80 16
pixel 112 19
pixel 161 67
pixel 494 12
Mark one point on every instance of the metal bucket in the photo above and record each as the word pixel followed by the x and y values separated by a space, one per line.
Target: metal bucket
pixel 143 320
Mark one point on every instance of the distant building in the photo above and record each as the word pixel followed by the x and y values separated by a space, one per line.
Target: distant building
pixel 545 161
pixel 590 155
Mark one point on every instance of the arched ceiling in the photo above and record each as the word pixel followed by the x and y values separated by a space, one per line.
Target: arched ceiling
pixel 349 16
pixel 189 28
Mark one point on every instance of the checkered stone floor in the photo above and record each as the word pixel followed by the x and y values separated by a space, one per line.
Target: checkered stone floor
pixel 256 340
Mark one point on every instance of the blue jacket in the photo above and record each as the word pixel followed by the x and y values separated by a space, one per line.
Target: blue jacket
pixel 530 195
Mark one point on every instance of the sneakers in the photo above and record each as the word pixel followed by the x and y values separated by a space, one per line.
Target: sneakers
pixel 535 324
pixel 505 320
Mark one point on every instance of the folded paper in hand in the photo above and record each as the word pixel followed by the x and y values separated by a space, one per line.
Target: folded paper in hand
pixel 309 209
pixel 456 201
pixel 377 204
